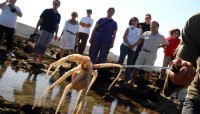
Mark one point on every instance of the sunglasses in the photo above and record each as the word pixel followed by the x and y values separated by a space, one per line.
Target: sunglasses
pixel 134 20
pixel 176 32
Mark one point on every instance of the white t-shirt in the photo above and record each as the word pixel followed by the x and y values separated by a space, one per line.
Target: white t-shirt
pixel 7 17
pixel 133 36
pixel 152 42
pixel 72 28
pixel 87 20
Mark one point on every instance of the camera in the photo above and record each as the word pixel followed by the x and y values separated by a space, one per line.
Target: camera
pixel 13 10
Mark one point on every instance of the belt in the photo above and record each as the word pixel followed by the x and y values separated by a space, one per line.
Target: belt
pixel 70 32
pixel 146 50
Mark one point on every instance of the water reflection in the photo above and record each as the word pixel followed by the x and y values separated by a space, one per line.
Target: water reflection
pixel 98 109
pixel 72 102
pixel 113 106
pixel 10 81
pixel 26 87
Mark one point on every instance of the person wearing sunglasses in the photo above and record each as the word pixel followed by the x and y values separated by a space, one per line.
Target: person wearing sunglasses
pixel 49 25
pixel 131 39
pixel 145 26
pixel 8 20
pixel 170 50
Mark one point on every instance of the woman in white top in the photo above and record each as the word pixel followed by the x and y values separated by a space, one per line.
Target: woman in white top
pixel 69 35
pixel 131 39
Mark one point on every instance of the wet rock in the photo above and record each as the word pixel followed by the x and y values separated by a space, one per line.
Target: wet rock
pixel 20 55
pixel 7 107
pixel 125 94
pixel 108 97
pixel 28 48
pixel 153 94
pixel 160 83
pixel 52 52
pixel 58 55
pixel 104 74
pixel 15 62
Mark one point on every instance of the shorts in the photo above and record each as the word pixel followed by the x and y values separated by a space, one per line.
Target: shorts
pixel 68 41
pixel 43 42
pixel 146 58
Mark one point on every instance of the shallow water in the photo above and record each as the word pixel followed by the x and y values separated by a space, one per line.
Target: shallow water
pixel 24 88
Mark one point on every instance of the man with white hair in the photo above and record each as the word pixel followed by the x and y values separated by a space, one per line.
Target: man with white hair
pixel 147 56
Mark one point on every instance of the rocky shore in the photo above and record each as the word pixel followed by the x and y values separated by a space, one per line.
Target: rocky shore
pixel 145 95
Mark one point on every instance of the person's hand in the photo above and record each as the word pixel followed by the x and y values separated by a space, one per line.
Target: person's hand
pixel 111 46
pixel 164 51
pixel 186 74
pixel 131 46
pixel 90 41
pixel 55 37
pixel 36 31
pixel 77 41
pixel 174 52
pixel 59 39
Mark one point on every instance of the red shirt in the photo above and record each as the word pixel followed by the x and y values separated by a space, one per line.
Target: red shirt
pixel 173 44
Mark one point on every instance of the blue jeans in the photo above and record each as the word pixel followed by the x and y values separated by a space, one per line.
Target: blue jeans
pixel 191 107
pixel 124 50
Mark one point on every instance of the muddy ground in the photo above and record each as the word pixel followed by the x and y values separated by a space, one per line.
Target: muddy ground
pixel 148 96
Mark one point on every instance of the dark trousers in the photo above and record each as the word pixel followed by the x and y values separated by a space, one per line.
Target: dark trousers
pixel 83 37
pixel 9 34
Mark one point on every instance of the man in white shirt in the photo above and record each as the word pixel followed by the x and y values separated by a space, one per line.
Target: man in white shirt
pixel 84 31
pixel 8 19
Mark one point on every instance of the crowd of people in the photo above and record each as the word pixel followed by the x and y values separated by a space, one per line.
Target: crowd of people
pixel 140 44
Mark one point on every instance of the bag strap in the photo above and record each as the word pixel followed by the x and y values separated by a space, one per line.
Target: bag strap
pixel 104 24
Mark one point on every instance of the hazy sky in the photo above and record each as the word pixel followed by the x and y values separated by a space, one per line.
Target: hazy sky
pixel 169 13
